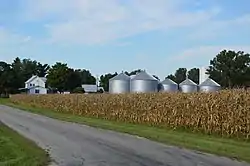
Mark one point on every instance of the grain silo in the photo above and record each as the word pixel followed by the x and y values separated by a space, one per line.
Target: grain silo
pixel 169 86
pixel 132 76
pixel 119 84
pixel 209 85
pixel 143 83
pixel 203 74
pixel 188 86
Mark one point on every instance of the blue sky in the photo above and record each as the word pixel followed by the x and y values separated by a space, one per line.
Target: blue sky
pixel 114 35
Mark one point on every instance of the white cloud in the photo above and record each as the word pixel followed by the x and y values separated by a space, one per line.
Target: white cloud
pixel 209 51
pixel 98 21
pixel 215 29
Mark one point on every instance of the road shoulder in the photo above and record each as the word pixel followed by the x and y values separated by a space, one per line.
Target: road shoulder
pixel 17 150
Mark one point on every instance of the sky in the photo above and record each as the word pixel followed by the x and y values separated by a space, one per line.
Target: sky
pixel 107 36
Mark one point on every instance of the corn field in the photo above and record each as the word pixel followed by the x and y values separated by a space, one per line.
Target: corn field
pixel 225 113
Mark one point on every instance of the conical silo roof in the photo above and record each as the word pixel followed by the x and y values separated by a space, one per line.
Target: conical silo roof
pixel 168 81
pixel 132 76
pixel 143 75
pixel 188 82
pixel 121 76
pixel 209 82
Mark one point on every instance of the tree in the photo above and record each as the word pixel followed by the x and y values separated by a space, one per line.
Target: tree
pixel 29 68
pixel 86 77
pixel 5 77
pixel 179 76
pixel 24 69
pixel 104 80
pixel 155 76
pixel 193 74
pixel 134 72
pixel 42 69
pixel 18 79
pixel 230 68
pixel 73 80
pixel 57 76
pixel 172 77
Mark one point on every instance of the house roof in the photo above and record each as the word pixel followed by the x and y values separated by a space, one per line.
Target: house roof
pixel 35 76
pixel 31 79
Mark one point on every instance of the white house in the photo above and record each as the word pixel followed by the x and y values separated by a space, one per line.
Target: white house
pixel 36 85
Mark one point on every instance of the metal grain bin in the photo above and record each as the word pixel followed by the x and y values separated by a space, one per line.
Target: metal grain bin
pixel 169 86
pixel 209 85
pixel 143 83
pixel 188 86
pixel 119 84
pixel 132 76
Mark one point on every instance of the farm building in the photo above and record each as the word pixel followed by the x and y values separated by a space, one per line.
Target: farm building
pixel 91 88
pixel 35 85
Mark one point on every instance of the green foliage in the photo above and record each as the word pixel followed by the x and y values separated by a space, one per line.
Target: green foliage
pixel 73 80
pixel 5 77
pixel 13 76
pixel 230 69
pixel 104 80
pixel 63 78
pixel 15 150
pixel 172 77
pixel 134 72
pixel 193 74
pixel 179 76
pixel 78 90
pixel 57 76
pixel 86 76
pixel 155 76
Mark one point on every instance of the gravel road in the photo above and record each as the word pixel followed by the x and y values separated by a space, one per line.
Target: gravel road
pixel 71 144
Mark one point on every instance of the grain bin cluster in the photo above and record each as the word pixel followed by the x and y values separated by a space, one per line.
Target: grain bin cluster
pixel 143 82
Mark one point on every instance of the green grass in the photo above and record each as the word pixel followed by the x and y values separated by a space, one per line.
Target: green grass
pixel 15 150
pixel 232 148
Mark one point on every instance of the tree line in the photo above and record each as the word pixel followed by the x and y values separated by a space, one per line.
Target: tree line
pixel 231 69
pixel 228 68
pixel 59 76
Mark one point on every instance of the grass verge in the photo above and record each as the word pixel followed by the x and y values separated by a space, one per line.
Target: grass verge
pixel 15 150
pixel 232 148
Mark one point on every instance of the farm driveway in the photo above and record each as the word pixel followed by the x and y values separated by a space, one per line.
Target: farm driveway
pixel 72 144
